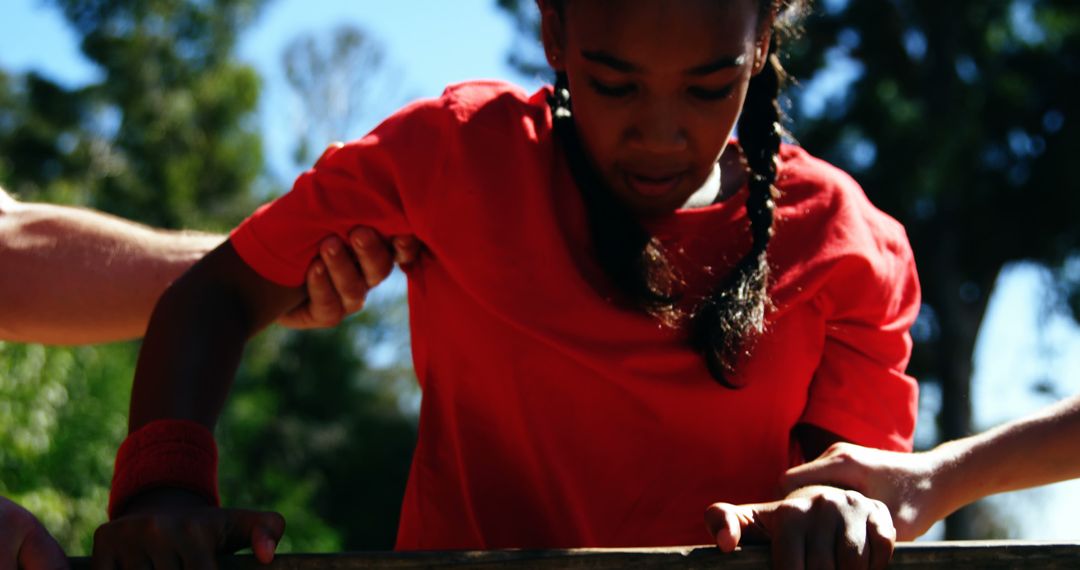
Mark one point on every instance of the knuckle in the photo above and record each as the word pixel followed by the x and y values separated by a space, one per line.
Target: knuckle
pixel 363 238
pixel 353 301
pixel 854 498
pixel 832 504
pixel 839 447
pixel 276 521
pixel 101 533
pixel 192 528
pixel 353 292
pixel 156 526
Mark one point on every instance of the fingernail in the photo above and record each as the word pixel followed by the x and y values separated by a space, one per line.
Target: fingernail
pixel 362 237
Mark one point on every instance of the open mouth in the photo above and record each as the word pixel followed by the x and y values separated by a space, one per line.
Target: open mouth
pixel 652 184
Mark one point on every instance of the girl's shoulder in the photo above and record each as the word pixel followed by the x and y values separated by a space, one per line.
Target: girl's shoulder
pixel 827 226
pixel 818 194
pixel 486 103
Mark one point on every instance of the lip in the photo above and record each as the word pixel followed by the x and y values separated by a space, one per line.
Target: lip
pixel 653 185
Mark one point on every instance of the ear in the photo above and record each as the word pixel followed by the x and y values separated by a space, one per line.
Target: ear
pixel 552 33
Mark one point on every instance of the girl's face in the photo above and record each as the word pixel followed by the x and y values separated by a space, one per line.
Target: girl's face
pixel 657 87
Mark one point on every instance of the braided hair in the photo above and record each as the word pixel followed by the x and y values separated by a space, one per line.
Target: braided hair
pixel 724 326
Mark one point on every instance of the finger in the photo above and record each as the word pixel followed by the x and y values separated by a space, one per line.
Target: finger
pixel 852 548
pixel 372 252
pixel 729 524
pixel 40 550
pixel 324 304
pixel 263 543
pixel 261 531
pixel 881 536
pixel 788 535
pixel 823 538
pixel 406 249
pixel 102 557
pixel 350 284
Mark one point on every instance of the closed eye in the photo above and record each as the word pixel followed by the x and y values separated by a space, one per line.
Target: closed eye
pixel 613 91
pixel 711 94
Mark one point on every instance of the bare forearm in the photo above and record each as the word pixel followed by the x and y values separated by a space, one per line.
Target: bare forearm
pixel 75 276
pixel 197 335
pixel 1032 451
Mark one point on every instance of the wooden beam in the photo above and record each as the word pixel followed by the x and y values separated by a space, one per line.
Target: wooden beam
pixel 911 555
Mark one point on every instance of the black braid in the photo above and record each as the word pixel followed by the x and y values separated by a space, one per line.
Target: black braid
pixel 726 325
pixel 633 260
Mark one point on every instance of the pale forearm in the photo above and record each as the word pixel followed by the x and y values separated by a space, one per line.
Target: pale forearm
pixel 1029 452
pixel 74 276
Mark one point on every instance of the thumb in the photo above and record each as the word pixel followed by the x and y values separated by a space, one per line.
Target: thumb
pixel 730 524
pixel 827 470
pixel 40 551
pixel 260 530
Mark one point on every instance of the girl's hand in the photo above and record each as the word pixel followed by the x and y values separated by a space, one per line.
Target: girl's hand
pixel 171 529
pixel 813 527
pixel 338 282
pixel 24 542
pixel 903 481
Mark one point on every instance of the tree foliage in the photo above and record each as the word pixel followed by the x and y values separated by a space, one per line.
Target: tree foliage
pixel 167 137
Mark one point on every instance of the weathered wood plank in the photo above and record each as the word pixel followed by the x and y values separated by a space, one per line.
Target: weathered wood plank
pixel 931 555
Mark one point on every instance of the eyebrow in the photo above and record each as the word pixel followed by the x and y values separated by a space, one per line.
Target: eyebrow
pixel 608 60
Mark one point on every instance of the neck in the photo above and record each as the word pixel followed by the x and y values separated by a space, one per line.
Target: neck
pixel 709 193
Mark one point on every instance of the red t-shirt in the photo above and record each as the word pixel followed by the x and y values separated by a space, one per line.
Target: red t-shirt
pixel 552 417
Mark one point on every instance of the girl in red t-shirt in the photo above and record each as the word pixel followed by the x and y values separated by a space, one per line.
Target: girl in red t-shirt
pixel 622 319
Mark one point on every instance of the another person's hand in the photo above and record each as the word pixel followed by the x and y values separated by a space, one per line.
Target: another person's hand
pixel 903 481
pixel 813 527
pixel 171 529
pixel 338 282
pixel 24 542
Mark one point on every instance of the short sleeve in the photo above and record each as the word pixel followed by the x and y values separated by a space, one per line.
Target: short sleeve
pixel 376 181
pixel 860 390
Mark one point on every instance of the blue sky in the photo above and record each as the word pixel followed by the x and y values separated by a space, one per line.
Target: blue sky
pixel 432 43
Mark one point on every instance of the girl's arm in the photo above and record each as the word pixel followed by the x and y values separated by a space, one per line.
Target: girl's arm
pixel 922 488
pixel 186 366
pixel 197 334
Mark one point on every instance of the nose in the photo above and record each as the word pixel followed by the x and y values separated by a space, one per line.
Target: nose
pixel 658 130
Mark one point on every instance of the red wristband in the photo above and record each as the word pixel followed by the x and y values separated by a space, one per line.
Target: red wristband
pixel 165 453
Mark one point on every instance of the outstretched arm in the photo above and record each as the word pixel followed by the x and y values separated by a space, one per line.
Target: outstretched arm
pixel 87 277
pixel 921 488
pixel 84 276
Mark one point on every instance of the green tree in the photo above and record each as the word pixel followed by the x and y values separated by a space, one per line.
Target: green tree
pixel 167 137
pixel 953 117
